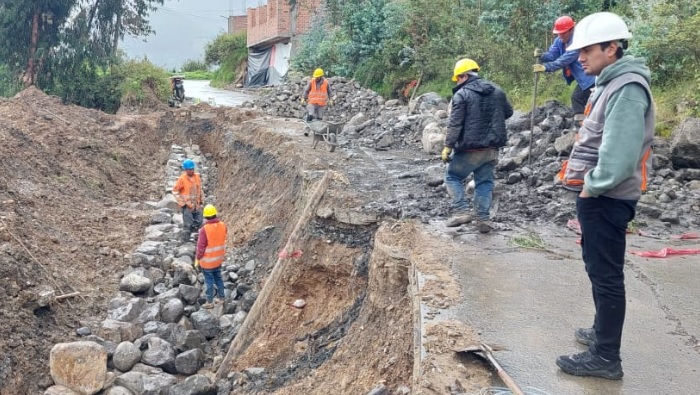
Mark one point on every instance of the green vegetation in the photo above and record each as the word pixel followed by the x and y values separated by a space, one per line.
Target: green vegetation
pixel 387 44
pixel 69 48
pixel 192 65
pixel 198 75
pixel 134 76
pixel 228 51
pixel 9 84
pixel 531 241
pixel 196 70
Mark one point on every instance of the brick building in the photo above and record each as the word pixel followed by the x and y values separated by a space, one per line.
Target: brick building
pixel 278 22
pixel 273 30
pixel 237 24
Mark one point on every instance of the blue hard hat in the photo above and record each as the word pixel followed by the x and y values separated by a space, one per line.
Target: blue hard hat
pixel 188 164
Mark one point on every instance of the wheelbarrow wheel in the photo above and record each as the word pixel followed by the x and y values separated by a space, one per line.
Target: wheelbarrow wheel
pixel 332 142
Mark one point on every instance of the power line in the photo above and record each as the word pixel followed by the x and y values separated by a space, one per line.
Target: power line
pixel 188 14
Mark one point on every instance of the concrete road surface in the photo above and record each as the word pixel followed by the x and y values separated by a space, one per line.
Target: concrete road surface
pixel 531 302
pixel 201 90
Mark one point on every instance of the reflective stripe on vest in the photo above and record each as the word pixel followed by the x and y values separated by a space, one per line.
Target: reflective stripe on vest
pixel 584 155
pixel 216 245
pixel 190 192
pixel 318 95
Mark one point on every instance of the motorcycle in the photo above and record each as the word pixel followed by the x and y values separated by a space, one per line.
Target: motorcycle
pixel 178 91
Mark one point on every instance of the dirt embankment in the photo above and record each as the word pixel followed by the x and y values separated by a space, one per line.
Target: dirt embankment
pixel 355 331
pixel 72 183
pixel 73 187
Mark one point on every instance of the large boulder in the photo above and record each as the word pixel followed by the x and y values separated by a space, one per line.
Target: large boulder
pixel 120 331
pixel 206 323
pixel 160 353
pixel 168 202
pixel 158 383
pixel 135 283
pixel 79 366
pixel 189 362
pixel 685 145
pixel 194 385
pixel 430 101
pixel 132 381
pixel 433 138
pixel 126 356
pixel 60 390
pixel 565 143
pixel 125 310
pixel 172 310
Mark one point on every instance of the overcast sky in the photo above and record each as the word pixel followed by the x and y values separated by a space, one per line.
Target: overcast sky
pixel 183 28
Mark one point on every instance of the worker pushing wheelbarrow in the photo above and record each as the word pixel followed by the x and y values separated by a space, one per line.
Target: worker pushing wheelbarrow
pixel 326 131
pixel 316 97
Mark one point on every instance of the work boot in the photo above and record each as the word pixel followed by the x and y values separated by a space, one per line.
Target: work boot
pixel 483 226
pixel 585 336
pixel 208 305
pixel 458 219
pixel 589 364
pixel 218 300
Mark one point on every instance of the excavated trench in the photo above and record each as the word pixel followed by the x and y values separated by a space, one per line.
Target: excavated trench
pixel 313 239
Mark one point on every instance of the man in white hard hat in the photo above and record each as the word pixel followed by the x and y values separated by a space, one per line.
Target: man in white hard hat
pixel 608 167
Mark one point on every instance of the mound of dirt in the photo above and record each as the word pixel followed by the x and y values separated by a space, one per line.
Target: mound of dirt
pixel 70 182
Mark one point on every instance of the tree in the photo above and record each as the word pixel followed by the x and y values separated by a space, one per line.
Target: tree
pixel 36 33
pixel 29 30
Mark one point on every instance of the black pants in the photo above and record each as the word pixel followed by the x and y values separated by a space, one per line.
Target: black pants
pixel 192 221
pixel 604 224
pixel 579 98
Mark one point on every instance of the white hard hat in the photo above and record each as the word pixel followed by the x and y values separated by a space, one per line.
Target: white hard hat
pixel 600 27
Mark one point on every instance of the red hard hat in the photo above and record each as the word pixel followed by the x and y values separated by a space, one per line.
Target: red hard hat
pixel 563 24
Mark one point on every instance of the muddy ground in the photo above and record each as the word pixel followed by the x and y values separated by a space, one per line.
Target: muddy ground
pixel 73 193
pixel 73 183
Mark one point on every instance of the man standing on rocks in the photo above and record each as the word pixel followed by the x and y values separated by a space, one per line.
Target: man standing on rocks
pixel 608 167
pixel 561 56
pixel 476 130
pixel 317 93
pixel 190 197
pixel 211 249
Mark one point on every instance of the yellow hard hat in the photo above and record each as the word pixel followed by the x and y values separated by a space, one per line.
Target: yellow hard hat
pixel 209 211
pixel 462 66
pixel 318 73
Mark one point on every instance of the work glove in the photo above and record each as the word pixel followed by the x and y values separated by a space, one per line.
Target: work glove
pixel 303 102
pixel 538 53
pixel 538 68
pixel 446 154
pixel 196 264
pixel 330 103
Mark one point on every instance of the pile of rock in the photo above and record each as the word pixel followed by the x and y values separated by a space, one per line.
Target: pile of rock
pixel 526 170
pixel 156 333
pixel 371 120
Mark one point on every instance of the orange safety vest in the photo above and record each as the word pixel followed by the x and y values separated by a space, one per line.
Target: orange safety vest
pixel 188 191
pixel 216 245
pixel 318 95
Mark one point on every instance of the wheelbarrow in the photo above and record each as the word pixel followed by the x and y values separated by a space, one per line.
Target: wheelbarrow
pixel 326 131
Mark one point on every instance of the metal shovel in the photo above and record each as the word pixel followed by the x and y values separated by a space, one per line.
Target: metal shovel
pixel 487 352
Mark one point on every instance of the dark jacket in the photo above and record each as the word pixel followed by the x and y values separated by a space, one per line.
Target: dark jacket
pixel 477 120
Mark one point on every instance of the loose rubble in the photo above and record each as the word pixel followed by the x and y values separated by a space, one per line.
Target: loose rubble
pixel 156 331
pixel 525 189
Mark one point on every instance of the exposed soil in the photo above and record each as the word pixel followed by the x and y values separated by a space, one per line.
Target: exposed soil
pixel 74 183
